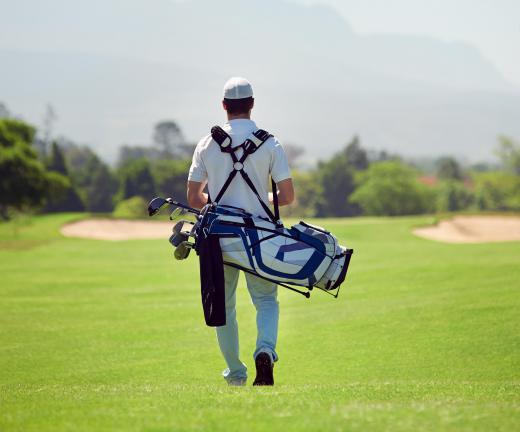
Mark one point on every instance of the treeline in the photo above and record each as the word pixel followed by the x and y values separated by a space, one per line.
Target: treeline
pixel 61 176
pixel 359 182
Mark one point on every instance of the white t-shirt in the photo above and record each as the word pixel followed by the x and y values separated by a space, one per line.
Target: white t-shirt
pixel 214 166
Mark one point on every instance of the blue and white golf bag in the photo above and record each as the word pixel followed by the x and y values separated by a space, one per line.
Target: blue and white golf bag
pixel 303 255
pixel 300 256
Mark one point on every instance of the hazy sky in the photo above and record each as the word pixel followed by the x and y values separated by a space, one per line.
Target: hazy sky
pixel 111 68
pixel 493 26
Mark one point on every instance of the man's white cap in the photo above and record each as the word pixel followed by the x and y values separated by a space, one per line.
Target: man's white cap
pixel 237 88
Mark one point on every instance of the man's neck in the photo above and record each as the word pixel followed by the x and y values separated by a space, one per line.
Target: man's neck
pixel 238 117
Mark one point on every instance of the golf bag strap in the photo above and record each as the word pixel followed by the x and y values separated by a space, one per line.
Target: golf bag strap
pixel 222 138
pixel 275 201
pixel 266 208
pixel 252 143
pixel 230 178
pixel 249 146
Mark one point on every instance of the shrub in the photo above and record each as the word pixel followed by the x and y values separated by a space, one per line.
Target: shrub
pixel 453 195
pixel 497 191
pixel 131 208
pixel 391 188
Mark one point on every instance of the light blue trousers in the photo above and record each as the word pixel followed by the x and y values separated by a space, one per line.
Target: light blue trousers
pixel 264 297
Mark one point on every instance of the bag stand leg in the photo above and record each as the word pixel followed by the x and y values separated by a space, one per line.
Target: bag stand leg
pixel 306 294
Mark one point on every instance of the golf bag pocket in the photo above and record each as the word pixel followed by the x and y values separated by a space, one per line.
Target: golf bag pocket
pixel 212 283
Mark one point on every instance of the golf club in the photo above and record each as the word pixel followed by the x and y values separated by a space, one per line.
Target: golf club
pixel 157 203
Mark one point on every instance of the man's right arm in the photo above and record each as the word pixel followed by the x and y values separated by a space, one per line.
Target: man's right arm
pixel 281 174
pixel 285 192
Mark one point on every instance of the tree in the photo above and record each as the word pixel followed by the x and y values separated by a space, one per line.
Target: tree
pixel 92 178
pixel 308 193
pixel 80 161
pixel 168 136
pixel 356 156
pixel 453 195
pixel 56 160
pixel 4 111
pixel 186 150
pixel 101 189
pixel 25 181
pixel 76 156
pixel 448 169
pixel 17 133
pixel 131 208
pixel 170 177
pixel 497 191
pixel 391 188
pixel 129 153
pixel 381 156
pixel 49 118
pixel 509 153
pixel 484 167
pixel 336 181
pixel 136 180
pixel 69 199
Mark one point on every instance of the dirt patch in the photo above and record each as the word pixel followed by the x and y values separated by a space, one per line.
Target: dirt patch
pixel 110 229
pixel 473 229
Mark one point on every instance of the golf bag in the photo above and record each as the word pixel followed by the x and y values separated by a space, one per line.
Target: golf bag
pixel 301 256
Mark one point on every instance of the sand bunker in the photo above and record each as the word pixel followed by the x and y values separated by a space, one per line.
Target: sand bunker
pixel 473 229
pixel 110 229
pixel 461 229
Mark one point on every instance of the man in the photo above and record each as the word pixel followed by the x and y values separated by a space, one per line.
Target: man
pixel 212 166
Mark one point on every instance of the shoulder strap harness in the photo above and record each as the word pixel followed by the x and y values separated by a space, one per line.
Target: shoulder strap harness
pixel 249 146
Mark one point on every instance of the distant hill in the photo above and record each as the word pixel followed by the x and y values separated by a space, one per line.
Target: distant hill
pixel 112 69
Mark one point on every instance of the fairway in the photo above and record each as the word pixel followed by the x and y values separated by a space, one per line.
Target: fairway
pixel 98 335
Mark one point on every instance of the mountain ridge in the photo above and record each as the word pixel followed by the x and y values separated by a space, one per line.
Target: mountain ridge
pixel 316 80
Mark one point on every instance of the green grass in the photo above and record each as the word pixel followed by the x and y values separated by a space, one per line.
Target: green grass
pixel 110 336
